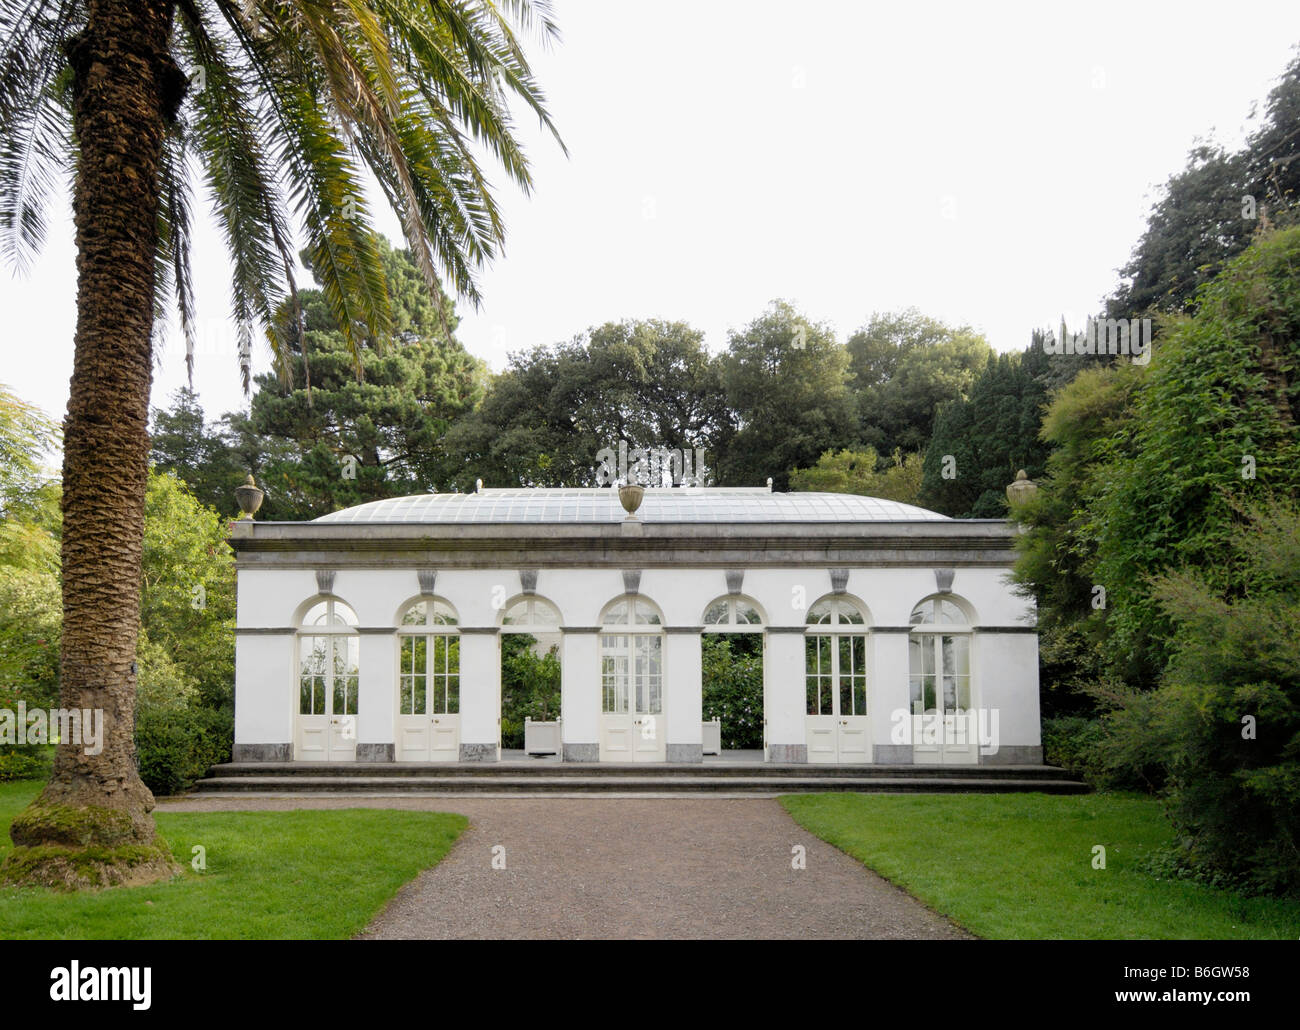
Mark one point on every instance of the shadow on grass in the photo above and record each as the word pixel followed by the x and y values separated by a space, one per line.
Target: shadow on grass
pixel 310 874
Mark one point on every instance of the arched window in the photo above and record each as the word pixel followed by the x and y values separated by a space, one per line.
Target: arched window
pixel 631 659
pixel 939 611
pixel 733 615
pixel 631 611
pixel 530 613
pixel 939 657
pixel 329 613
pixel 429 659
pixel 835 658
pixel 835 612
pixel 328 654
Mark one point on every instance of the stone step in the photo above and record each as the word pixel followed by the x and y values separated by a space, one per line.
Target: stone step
pixel 592 770
pixel 704 784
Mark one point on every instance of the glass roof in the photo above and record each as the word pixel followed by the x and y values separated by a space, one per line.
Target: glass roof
pixel 678 504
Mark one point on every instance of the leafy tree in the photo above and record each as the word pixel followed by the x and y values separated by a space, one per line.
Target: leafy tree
pixel 651 383
pixel 293 97
pixel 1226 717
pixel 518 437
pixel 851 471
pixel 902 367
pixel 1214 422
pixel 335 438
pixel 29 495
pixel 530 686
pixel 876 349
pixel 198 453
pixel 663 388
pixel 178 737
pixel 27 437
pixel 732 665
pixel 328 439
pixel 1211 210
pixel 1195 226
pixel 31 541
pixel 188 595
pixel 1085 426
pixel 29 581
pixel 186 646
pixel 787 382
pixel 29 658
pixel 898 381
pixel 1272 155
pixel 990 435
pixel 29 635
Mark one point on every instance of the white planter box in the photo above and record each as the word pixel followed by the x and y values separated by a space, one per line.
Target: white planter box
pixel 542 738
pixel 712 737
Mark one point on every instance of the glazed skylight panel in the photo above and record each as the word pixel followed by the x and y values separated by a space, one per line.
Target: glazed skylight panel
pixel 523 507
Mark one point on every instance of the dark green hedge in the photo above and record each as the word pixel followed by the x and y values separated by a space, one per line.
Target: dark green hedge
pixel 175 746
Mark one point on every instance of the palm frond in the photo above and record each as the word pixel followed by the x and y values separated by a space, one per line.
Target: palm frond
pixel 295 100
pixel 172 277
pixel 35 119
pixel 323 181
pixel 230 139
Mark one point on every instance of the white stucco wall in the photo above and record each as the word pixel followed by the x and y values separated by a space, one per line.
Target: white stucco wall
pixel 1006 668
pixel 580 688
pixel 480 689
pixel 890 690
pixel 1007 674
pixel 265 689
pixel 682 701
pixel 376 693
pixel 783 676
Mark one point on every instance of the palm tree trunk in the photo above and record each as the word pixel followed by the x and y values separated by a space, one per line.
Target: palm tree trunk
pixel 91 826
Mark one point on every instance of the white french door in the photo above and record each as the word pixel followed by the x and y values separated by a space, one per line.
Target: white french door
pixel 428 698
pixel 944 730
pixel 327 698
pixel 837 727
pixel 632 713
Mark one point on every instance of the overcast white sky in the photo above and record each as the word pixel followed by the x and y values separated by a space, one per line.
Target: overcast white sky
pixel 987 163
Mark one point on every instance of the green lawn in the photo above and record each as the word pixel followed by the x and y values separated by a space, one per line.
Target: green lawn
pixel 1020 865
pixel 304 874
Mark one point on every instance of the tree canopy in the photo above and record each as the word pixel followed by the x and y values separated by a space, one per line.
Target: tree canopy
pixel 651 383
pixel 1211 210
pixel 786 379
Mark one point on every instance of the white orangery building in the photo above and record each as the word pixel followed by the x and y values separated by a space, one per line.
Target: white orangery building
pixel 890 634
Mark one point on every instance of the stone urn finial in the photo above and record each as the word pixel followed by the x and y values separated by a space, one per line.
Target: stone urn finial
pixel 630 495
pixel 1022 489
pixel 249 498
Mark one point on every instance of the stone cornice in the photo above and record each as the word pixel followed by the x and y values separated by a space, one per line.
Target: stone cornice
pixel 310 545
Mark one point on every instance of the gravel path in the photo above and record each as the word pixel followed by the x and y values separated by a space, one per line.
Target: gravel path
pixel 630 867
